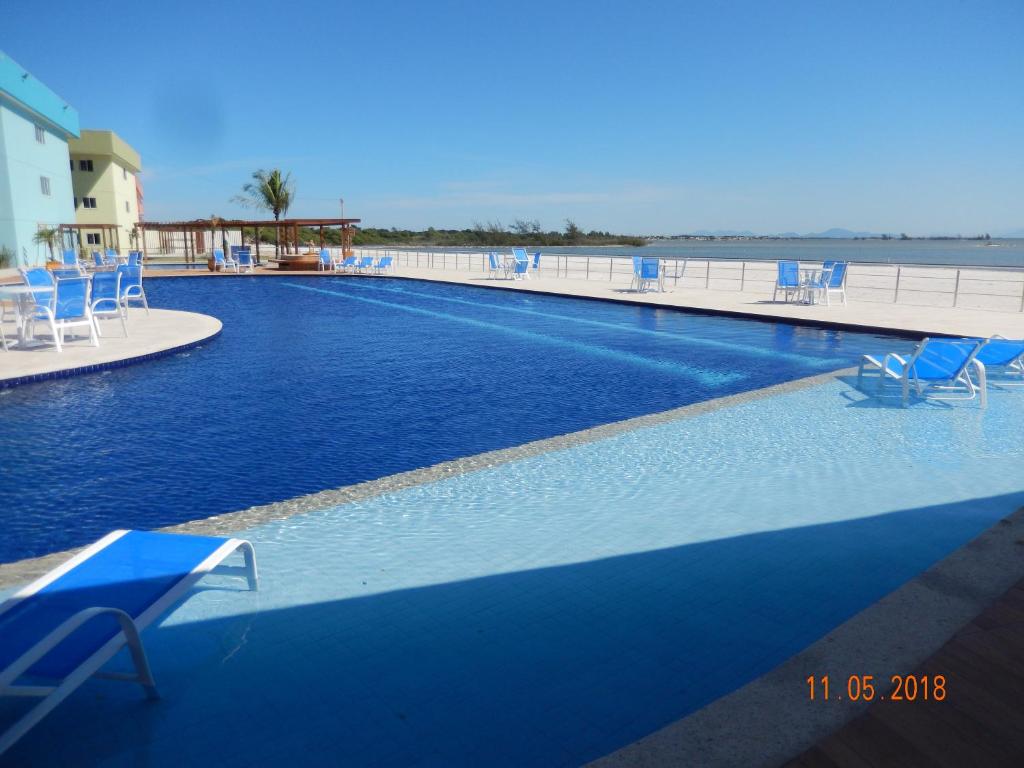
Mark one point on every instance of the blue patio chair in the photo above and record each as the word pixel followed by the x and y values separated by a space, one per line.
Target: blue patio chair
pixel 97 260
pixel 324 262
pixel 106 299
pixel 65 626
pixel 833 281
pixel 220 261
pixel 69 309
pixel 39 277
pixel 535 266
pixel 520 264
pixel 131 286
pixel 788 280
pixel 650 274
pixel 365 264
pixel 637 263
pixel 347 264
pixel 70 260
pixel 134 258
pixel 243 257
pixel 495 266
pixel 110 258
pixel 383 265
pixel 937 365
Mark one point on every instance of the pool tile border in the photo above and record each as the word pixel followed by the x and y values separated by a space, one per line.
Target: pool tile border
pixel 22 571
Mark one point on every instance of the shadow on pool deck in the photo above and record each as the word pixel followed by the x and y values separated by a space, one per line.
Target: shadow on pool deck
pixel 553 666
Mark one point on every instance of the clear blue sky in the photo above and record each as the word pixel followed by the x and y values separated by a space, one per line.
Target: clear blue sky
pixel 635 117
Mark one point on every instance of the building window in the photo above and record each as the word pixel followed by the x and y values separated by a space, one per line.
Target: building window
pixel 92 238
pixel 40 134
pixel 88 202
pixel 127 207
pixel 124 174
pixel 72 166
pixel 44 185
pixel 85 165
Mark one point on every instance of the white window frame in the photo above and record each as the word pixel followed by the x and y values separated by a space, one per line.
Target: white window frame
pixel 44 186
pixel 40 134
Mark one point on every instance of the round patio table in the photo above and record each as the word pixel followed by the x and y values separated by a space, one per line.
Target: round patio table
pixel 21 294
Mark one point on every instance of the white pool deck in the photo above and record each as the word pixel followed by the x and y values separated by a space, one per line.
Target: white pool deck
pixel 904 318
pixel 160 331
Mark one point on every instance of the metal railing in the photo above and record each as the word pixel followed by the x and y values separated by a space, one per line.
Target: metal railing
pixel 931 285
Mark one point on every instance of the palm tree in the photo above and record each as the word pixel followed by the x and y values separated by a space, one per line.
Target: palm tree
pixel 268 191
pixel 47 236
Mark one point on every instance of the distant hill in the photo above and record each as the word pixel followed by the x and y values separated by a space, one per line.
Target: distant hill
pixel 840 233
pixel 723 233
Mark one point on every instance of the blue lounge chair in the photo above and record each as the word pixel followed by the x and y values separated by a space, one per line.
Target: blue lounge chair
pixel 383 265
pixel 942 365
pixel 348 263
pixel 110 258
pixel 650 274
pixel 65 626
pixel 535 266
pixel 243 257
pixel 106 299
pixel 97 260
pixel 131 286
pixel 365 264
pixel 834 273
pixel 788 280
pixel 134 258
pixel 219 260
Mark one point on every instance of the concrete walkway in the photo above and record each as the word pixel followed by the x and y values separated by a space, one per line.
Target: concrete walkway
pixel 160 331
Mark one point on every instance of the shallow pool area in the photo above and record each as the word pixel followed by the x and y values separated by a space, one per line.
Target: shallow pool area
pixel 317 383
pixel 550 610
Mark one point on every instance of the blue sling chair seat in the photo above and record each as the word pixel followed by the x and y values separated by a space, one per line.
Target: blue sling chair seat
pixel 384 265
pixel 63 628
pixel 942 366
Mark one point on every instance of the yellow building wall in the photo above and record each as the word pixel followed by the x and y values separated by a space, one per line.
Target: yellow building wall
pixel 111 183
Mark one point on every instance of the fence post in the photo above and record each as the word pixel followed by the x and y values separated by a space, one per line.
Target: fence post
pixel 611 262
pixel 588 268
pixel 707 276
pixel 956 288
pixel 1022 297
pixel 899 271
pixel 743 276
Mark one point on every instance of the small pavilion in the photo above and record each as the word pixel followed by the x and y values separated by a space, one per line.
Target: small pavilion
pixel 191 235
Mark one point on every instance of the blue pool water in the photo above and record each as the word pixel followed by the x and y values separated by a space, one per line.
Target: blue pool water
pixel 318 383
pixel 548 611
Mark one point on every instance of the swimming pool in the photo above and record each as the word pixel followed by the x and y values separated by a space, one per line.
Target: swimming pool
pixel 546 611
pixel 317 383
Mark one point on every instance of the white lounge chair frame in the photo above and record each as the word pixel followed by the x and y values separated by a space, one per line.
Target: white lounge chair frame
pixel 52 695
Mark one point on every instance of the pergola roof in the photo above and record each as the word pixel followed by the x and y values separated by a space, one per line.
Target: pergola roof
pixel 206 224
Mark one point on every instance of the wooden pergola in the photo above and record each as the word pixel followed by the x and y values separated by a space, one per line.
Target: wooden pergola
pixel 286 231
pixel 71 234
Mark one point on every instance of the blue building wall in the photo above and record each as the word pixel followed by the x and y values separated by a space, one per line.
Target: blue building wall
pixel 25 103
